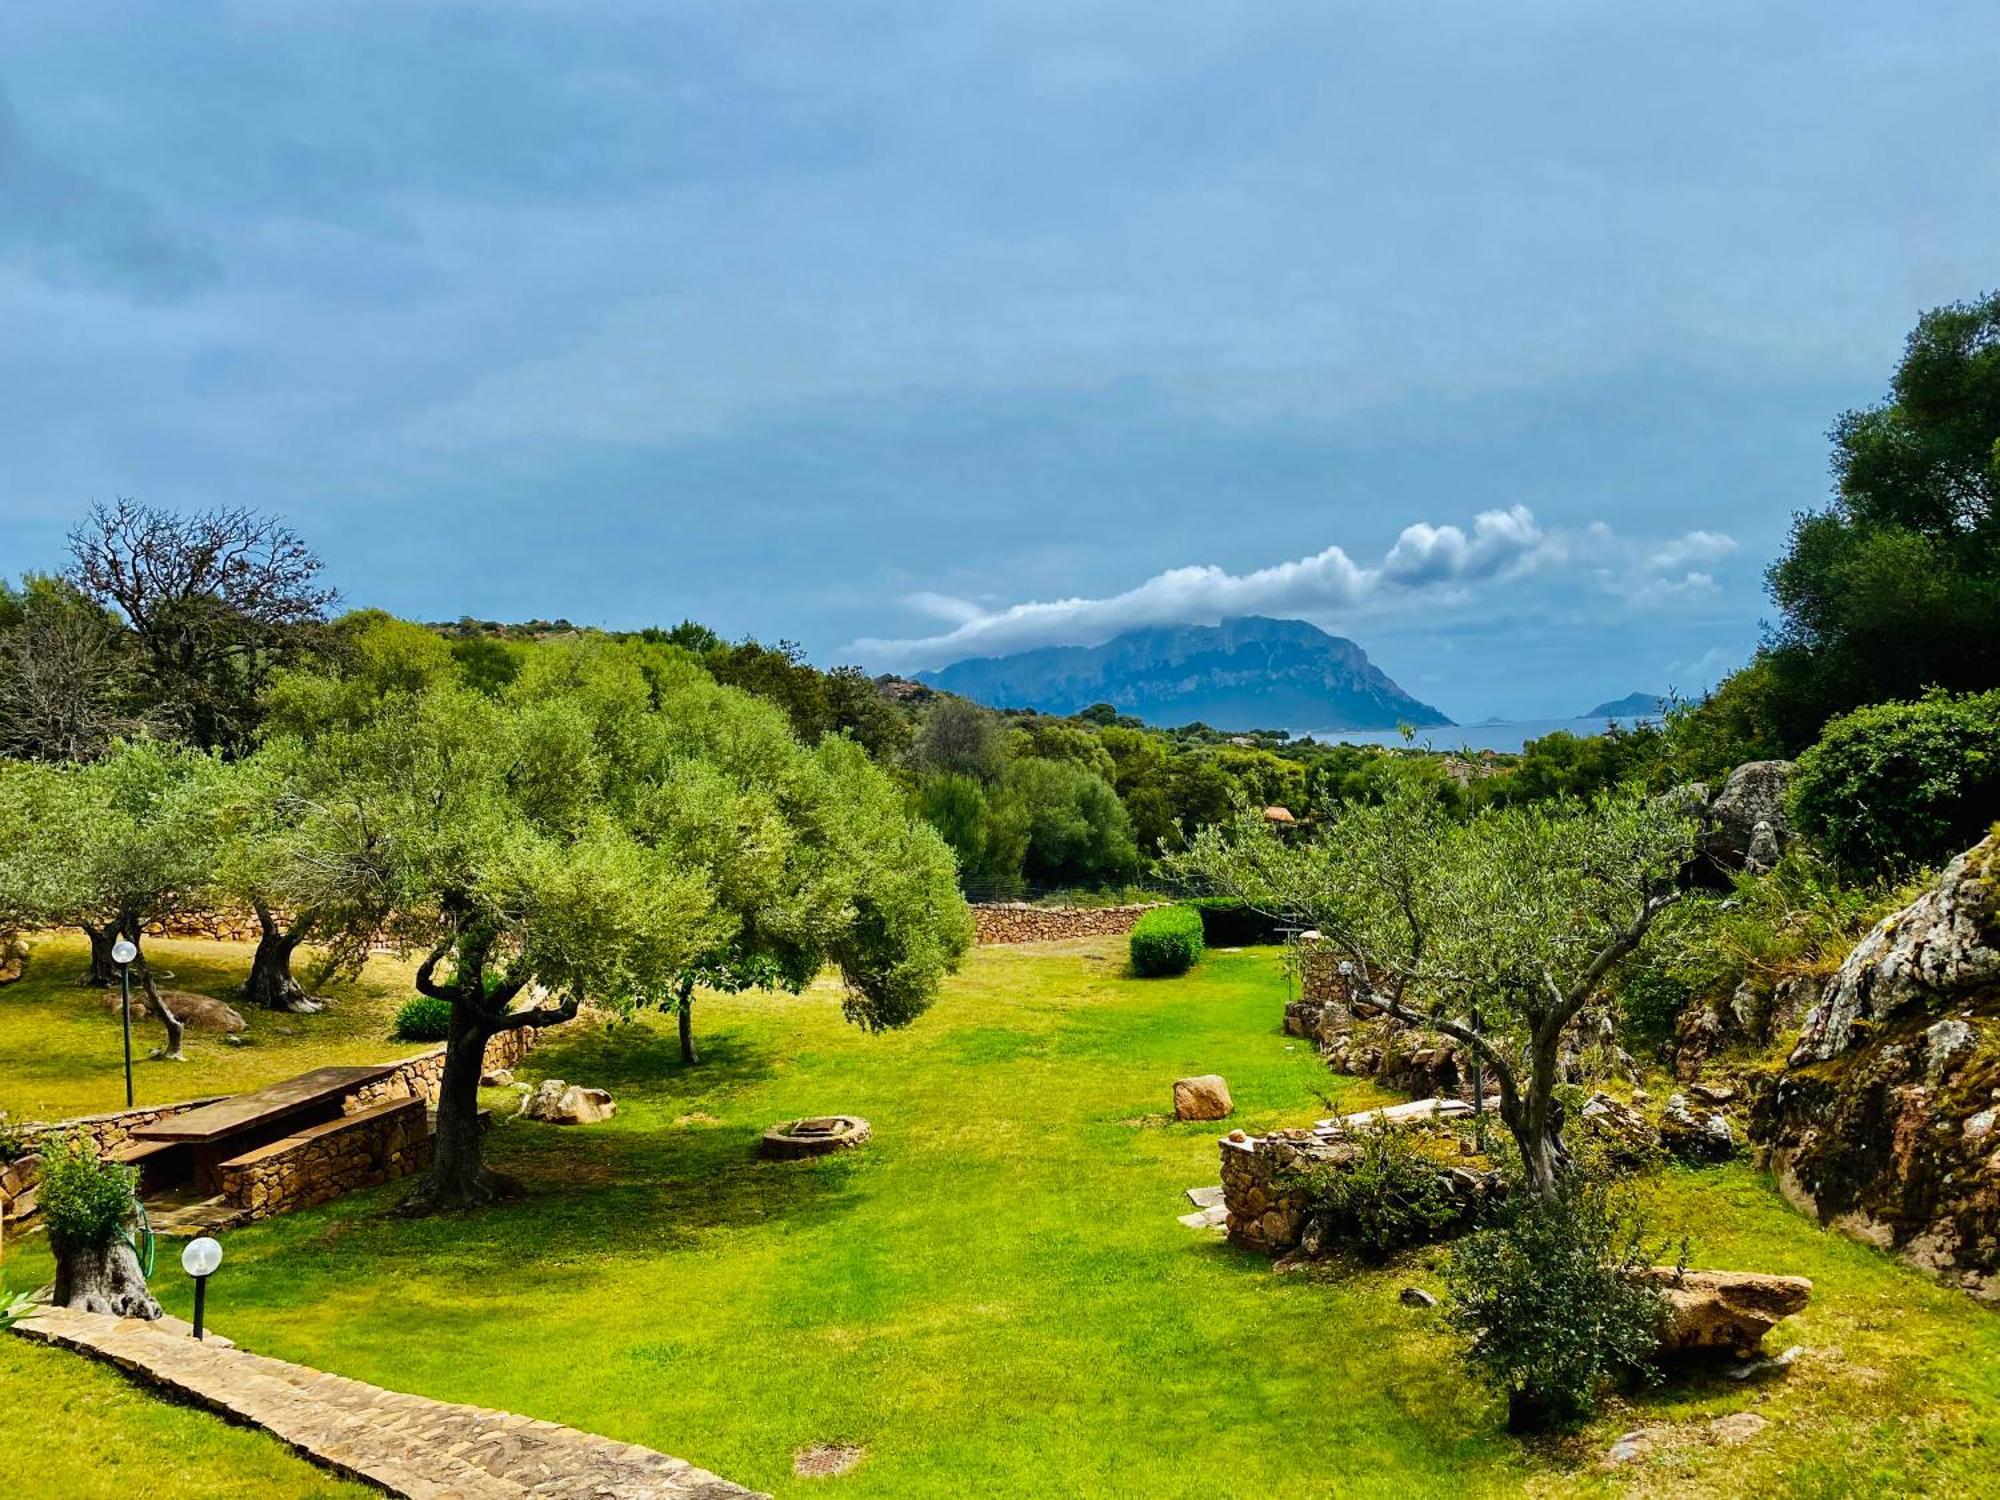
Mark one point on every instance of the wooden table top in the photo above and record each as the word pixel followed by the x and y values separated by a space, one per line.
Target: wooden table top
pixel 245 1111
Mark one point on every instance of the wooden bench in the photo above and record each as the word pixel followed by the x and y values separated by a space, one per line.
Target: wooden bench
pixel 161 1163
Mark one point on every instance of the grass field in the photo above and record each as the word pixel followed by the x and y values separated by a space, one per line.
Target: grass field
pixel 993 1297
pixel 63 1056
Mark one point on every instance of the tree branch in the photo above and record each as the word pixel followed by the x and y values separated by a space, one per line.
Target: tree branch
pixel 426 982
pixel 546 1015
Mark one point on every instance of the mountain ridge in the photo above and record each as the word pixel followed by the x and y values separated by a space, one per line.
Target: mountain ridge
pixel 1631 706
pixel 1247 672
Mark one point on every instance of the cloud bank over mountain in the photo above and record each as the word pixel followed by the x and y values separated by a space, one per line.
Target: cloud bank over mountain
pixel 1430 567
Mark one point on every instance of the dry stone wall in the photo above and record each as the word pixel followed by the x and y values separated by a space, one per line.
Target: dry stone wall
pixel 419 1077
pixel 361 1149
pixel 1018 922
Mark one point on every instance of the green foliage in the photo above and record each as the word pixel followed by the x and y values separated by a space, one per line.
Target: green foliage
pixel 1548 1318
pixel 1076 829
pixel 14 1309
pixel 12 1145
pixel 1799 918
pixel 1391 1197
pixel 1894 588
pixel 959 738
pixel 1525 912
pixel 1166 941
pixel 1898 786
pixel 423 1019
pixel 86 1202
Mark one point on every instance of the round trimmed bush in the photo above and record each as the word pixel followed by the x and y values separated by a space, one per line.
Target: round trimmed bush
pixel 1166 941
pixel 424 1019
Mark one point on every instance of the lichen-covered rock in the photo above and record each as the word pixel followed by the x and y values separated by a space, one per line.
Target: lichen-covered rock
pixel 1202 1098
pixel 1626 1136
pixel 1746 827
pixel 1880 1123
pixel 1944 944
pixel 1722 1311
pixel 1698 1135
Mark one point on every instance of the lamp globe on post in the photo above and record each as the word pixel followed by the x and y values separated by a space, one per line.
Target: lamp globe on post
pixel 122 953
pixel 199 1260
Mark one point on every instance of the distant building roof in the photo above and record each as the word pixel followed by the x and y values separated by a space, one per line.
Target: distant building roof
pixel 1279 815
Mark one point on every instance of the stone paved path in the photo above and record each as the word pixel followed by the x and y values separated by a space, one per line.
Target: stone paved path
pixel 408 1445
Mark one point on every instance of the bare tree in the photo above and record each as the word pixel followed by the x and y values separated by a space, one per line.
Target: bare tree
pixel 216 600
pixel 63 670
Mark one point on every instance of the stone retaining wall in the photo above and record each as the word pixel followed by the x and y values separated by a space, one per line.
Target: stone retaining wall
pixel 361 1149
pixel 1018 922
pixel 1264 1214
pixel 419 1077
pixel 110 1131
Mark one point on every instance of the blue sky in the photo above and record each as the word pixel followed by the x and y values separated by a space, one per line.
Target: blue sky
pixel 1502 338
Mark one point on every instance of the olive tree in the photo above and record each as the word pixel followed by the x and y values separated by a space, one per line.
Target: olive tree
pixel 1517 915
pixel 608 822
pixel 111 847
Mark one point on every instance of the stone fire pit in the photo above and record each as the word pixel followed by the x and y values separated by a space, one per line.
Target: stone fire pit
pixel 817 1135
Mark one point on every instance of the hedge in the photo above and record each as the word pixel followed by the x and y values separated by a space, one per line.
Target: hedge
pixel 1166 940
pixel 1229 923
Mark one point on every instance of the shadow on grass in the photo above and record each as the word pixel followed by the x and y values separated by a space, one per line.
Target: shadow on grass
pixel 626 1055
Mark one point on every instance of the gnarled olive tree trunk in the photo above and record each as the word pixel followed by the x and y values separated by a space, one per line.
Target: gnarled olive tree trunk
pixel 271 983
pixel 103 970
pixel 102 1279
pixel 458 1176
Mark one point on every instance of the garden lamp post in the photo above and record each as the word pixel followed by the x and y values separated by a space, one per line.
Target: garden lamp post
pixel 122 953
pixel 199 1260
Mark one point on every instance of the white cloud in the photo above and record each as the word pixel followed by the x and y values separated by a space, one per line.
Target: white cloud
pixel 1429 567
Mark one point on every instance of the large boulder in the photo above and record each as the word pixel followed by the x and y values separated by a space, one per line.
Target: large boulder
pixel 13 956
pixel 1203 1098
pixel 1746 826
pixel 1722 1312
pixel 1695 1134
pixel 559 1103
pixel 1882 1122
pixel 196 1012
pixel 1623 1133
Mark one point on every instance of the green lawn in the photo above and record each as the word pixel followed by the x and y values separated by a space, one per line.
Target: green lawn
pixel 63 1056
pixel 76 1430
pixel 993 1297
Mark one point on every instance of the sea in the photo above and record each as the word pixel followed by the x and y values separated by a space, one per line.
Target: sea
pixel 1506 738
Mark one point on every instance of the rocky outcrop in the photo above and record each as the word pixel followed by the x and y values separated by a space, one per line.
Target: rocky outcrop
pixel 1722 1312
pixel 1627 1138
pixel 1203 1098
pixel 1695 1134
pixel 1882 1122
pixel 1756 1014
pixel 1746 827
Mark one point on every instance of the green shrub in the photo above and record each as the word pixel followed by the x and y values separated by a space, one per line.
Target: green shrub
pixel 13 1145
pixel 1896 786
pixel 1229 923
pixel 1391 1197
pixel 1166 940
pixel 424 1019
pixel 1548 1316
pixel 86 1202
